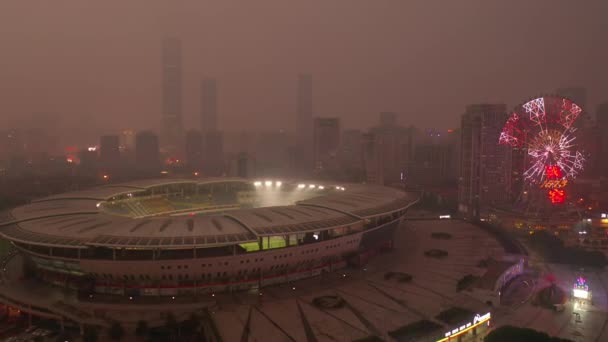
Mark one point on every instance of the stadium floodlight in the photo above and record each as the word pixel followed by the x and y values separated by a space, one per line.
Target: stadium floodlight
pixel 301 186
pixel 278 184
pixel 312 186
pixel 257 183
pixel 338 188
pixel 580 293
pixel 321 187
pixel 268 183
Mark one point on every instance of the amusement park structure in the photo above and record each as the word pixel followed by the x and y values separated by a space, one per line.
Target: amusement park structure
pixel 543 130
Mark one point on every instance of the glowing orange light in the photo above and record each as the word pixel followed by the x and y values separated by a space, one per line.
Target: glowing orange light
pixel 554 183
pixel 106 176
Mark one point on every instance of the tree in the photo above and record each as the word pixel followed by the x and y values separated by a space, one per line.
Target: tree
pixel 171 324
pixel 90 334
pixel 63 337
pixel 142 328
pixel 509 333
pixel 116 331
pixel 192 323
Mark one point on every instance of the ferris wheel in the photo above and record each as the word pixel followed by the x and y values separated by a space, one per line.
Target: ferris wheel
pixel 544 129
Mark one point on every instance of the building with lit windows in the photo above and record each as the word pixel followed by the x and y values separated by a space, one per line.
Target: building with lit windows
pixel 484 164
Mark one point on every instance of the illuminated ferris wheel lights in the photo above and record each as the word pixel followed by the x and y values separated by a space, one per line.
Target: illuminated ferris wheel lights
pixel 543 127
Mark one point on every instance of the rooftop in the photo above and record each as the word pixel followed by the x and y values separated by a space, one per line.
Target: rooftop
pixel 76 219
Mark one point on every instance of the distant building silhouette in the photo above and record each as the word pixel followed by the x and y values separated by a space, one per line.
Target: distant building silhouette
pixel 171 126
pixel 243 165
pixel 373 158
pixel 396 144
pixel 326 143
pixel 435 159
pixel 213 143
pixel 109 152
pixel 88 162
pixel 147 155
pixel 350 156
pixel 304 124
pixel 213 161
pixel 209 105
pixel 194 150
pixel 484 165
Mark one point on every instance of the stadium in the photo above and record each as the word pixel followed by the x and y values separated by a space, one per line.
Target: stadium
pixel 192 236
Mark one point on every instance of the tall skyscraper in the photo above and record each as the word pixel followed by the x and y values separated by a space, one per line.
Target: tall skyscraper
pixel 147 156
pixel 326 142
pixel 484 164
pixel 171 126
pixel 213 156
pixel 304 130
pixel 208 105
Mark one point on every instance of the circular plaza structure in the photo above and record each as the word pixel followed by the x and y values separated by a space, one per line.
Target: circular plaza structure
pixel 174 237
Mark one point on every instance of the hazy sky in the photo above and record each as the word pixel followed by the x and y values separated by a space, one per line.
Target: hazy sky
pixel 98 62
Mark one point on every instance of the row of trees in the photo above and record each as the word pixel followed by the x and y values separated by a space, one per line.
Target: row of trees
pixel 509 333
pixel 553 250
pixel 173 330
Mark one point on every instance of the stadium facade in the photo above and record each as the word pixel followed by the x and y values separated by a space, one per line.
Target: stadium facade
pixel 172 237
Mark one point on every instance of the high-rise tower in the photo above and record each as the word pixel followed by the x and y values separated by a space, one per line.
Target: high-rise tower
pixel 213 157
pixel 171 125
pixel 208 105
pixel 484 164
pixel 304 132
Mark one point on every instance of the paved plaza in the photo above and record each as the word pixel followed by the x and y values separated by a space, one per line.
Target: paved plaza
pixel 374 306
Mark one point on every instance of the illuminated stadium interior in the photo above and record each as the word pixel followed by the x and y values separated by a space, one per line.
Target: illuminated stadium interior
pixel 161 237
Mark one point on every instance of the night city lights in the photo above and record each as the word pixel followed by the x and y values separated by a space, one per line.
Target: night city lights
pixel 544 127
pixel 218 171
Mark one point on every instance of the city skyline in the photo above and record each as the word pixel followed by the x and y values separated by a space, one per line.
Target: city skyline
pixel 398 68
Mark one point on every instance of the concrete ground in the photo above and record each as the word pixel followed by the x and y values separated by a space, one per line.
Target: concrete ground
pixel 375 306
